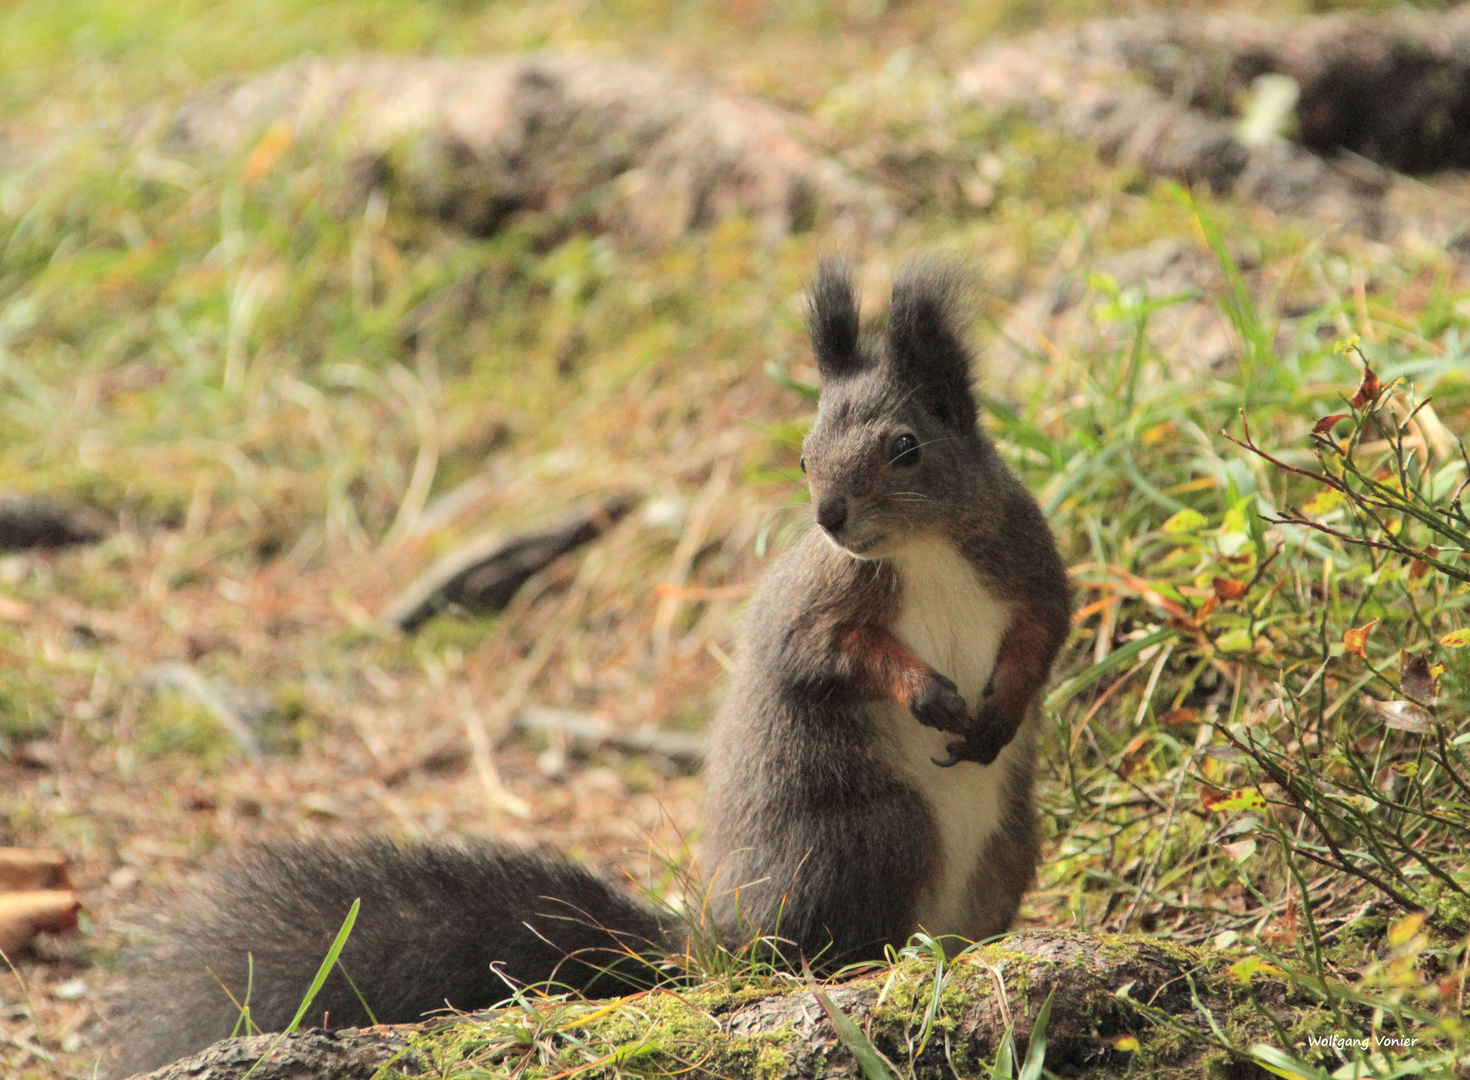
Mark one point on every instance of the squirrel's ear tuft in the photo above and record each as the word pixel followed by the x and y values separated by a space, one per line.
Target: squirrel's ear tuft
pixel 926 345
pixel 832 321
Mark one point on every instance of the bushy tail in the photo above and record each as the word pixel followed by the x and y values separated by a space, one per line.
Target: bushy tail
pixel 433 919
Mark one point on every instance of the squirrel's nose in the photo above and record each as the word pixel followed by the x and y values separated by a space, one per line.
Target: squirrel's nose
pixel 832 513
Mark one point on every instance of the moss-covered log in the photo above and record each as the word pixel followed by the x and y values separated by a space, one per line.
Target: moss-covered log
pixel 1119 1003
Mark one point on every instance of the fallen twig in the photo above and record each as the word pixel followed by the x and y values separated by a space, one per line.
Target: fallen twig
pixel 187 680
pixel 485 572
pixel 32 521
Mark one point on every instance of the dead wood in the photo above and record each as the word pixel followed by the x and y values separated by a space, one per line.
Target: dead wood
pixel 28 869
pixel 1172 999
pixel 23 915
pixel 1380 95
pixel 43 521
pixel 684 748
pixel 484 573
pixel 353 1054
pixel 639 150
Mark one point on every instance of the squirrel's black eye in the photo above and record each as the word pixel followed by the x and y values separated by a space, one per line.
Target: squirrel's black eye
pixel 803 463
pixel 904 453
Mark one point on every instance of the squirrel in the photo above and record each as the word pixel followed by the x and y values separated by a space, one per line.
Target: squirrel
pixel 869 775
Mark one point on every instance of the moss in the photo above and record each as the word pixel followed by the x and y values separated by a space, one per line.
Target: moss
pixel 771 1061
pixel 172 723
pixel 26 707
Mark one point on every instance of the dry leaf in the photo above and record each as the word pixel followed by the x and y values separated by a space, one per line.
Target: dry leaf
pixel 1356 641
pixel 1222 752
pixel 1229 588
pixel 1415 677
pixel 1403 716
pixel 1284 930
pixel 1420 567
pixel 1179 717
pixel 1209 796
pixel 1240 850
pixel 29 870
pixel 1367 390
pixel 275 142
pixel 1325 425
pixel 23 915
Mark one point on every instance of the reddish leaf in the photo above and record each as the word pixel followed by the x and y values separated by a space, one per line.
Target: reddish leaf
pixel 1325 425
pixel 1420 567
pixel 1284 930
pixel 1367 390
pixel 1229 588
pixel 1179 717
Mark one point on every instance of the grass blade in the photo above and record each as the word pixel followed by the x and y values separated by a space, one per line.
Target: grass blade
pixel 329 962
pixel 873 1064
pixel 1036 1047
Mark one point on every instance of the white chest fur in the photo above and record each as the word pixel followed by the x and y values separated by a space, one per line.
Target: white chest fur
pixel 951 621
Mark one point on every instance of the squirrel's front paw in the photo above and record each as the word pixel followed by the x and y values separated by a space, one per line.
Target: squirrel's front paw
pixel 988 735
pixel 941 706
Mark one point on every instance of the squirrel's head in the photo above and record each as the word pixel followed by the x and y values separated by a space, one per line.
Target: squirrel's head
pixel 896 452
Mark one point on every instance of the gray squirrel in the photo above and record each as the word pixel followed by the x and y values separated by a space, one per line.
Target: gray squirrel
pixel 870 773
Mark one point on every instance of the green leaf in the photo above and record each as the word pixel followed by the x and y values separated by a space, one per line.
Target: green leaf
pixel 1235 641
pixel 329 962
pixel 1184 521
pixel 1023 434
pixel 1236 301
pixel 1244 799
pixel 1005 1058
pixel 1257 528
pixel 873 1064
pixel 1115 659
pixel 1036 1048
pixel 1283 1064
pixel 781 378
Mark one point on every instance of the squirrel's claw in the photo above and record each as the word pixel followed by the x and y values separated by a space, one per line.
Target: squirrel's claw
pixel 956 755
pixel 983 749
pixel 987 737
pixel 941 706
